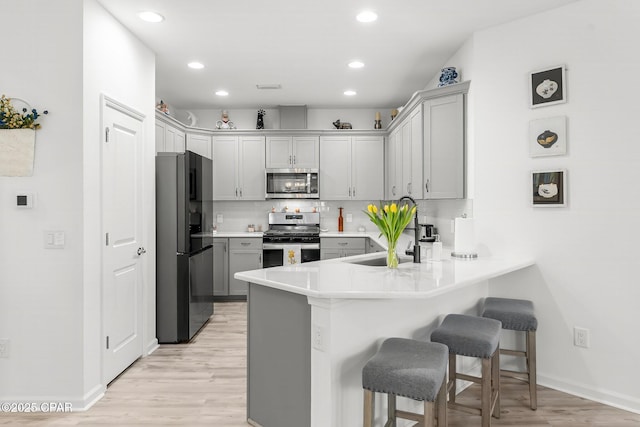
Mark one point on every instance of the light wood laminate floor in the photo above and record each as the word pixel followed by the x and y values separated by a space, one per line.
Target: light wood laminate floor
pixel 203 384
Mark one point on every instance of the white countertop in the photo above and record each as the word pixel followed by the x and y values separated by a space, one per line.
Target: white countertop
pixel 341 279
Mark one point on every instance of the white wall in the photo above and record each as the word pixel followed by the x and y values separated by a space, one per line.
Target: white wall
pixel 585 252
pixel 50 299
pixel 41 290
pixel 117 64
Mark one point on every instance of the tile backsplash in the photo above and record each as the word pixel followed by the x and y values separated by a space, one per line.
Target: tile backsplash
pixel 237 215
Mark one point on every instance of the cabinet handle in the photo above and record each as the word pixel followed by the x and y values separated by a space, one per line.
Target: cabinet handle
pixel 224 246
pixel 349 191
pixel 426 186
pixel 259 259
pixel 236 191
pixel 245 243
pixel 294 159
pixel 290 162
pixel 241 193
pixel 354 191
pixel 343 243
pixel 393 190
pixel 409 188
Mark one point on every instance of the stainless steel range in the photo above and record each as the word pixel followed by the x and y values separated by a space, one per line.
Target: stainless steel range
pixel 292 238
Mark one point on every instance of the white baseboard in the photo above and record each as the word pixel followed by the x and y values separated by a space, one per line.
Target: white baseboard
pixel 151 347
pixel 607 397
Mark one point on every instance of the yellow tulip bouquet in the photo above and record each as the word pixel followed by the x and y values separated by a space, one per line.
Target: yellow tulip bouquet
pixel 391 220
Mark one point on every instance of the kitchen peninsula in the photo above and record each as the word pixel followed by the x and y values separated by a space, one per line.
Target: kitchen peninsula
pixel 312 327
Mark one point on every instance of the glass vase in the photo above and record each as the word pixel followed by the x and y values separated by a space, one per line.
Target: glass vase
pixel 392 256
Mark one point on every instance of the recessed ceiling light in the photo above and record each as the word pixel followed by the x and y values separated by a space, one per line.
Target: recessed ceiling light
pixel 222 93
pixel 149 16
pixel 349 92
pixel 356 64
pixel 367 16
pixel 195 65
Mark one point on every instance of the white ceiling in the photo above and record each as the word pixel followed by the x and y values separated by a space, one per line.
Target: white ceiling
pixel 305 46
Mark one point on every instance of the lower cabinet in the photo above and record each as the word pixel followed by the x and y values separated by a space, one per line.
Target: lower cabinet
pixel 340 247
pixel 244 254
pixel 220 267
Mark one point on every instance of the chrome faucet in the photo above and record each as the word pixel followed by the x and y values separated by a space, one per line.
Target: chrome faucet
pixel 416 244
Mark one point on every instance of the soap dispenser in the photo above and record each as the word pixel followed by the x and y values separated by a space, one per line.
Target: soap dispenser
pixel 340 221
pixel 436 250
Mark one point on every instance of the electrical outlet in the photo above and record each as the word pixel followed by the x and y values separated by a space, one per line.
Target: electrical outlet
pixel 349 217
pixel 4 349
pixel 318 337
pixel 581 337
pixel 219 218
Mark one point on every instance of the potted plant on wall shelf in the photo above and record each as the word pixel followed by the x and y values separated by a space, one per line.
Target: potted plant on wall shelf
pixel 17 137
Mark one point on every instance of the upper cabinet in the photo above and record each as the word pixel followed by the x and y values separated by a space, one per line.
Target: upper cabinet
pixel 169 138
pixel 286 152
pixel 238 167
pixel 199 143
pixel 444 147
pixel 352 167
pixel 425 150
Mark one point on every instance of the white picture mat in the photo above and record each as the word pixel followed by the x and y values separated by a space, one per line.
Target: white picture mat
pixel 557 125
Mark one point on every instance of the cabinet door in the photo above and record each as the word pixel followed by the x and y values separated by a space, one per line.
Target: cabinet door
pixel 220 269
pixel 330 253
pixel 159 137
pixel 405 173
pixel 444 148
pixel 251 172
pixel 415 183
pixel 367 168
pixel 225 163
pixel 306 152
pixel 200 144
pixel 278 152
pixel 392 185
pixel 174 140
pixel 335 168
pixel 242 261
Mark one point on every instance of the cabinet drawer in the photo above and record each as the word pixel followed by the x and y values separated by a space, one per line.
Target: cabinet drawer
pixel 245 243
pixel 342 243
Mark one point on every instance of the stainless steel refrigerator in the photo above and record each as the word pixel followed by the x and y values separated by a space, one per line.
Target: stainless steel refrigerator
pixel 184 263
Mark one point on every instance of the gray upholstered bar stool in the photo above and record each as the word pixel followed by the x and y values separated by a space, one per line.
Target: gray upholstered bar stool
pixel 479 337
pixel 408 368
pixel 517 315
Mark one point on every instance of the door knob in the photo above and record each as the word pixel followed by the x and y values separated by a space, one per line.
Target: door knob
pixel 141 251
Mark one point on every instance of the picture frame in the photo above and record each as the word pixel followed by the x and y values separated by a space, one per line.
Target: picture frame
pixel 548 136
pixel 549 188
pixel 547 87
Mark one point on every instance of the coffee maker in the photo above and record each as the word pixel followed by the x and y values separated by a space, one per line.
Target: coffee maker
pixel 427 233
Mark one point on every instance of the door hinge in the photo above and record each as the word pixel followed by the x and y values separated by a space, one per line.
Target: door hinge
pixel 107 342
pixel 106 134
pixel 106 239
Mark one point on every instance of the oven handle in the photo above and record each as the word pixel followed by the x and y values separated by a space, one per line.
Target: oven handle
pixel 285 245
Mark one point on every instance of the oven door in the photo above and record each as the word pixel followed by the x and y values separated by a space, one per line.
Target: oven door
pixel 273 253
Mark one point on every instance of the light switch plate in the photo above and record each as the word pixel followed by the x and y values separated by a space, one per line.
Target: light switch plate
pixel 24 200
pixel 54 239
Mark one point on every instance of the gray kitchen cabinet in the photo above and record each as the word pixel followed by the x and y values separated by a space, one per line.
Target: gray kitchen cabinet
pixel 285 152
pixel 352 167
pixel 340 247
pixel 371 246
pixel 244 254
pixel 169 137
pixel 220 267
pixel 199 143
pixel 404 157
pixel 443 160
pixel 238 167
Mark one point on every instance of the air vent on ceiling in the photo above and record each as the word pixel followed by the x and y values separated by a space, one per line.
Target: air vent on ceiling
pixel 269 86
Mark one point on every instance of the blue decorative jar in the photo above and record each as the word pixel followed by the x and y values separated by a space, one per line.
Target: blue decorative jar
pixel 448 76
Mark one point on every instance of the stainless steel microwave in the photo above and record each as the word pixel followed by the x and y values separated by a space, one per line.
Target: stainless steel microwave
pixel 292 184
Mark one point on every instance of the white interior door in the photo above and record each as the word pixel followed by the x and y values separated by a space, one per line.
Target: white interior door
pixel 122 167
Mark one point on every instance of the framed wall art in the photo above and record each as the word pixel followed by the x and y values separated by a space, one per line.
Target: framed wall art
pixel 548 87
pixel 548 136
pixel 549 188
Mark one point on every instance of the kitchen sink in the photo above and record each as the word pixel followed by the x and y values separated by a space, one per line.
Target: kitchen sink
pixel 378 262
